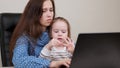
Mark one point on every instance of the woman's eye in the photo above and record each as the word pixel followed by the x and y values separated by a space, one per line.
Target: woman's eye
pixel 44 11
pixel 51 10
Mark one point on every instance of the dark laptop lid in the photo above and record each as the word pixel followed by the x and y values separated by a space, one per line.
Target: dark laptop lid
pixel 97 50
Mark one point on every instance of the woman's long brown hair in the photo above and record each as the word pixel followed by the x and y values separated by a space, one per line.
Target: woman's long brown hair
pixel 29 22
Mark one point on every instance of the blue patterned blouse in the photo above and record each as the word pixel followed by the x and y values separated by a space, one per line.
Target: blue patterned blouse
pixel 25 55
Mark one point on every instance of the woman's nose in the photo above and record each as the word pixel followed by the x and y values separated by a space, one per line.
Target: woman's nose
pixel 49 14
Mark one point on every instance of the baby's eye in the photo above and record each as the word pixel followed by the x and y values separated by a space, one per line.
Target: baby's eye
pixel 63 31
pixel 56 31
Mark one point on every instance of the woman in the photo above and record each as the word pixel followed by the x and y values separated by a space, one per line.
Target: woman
pixel 31 35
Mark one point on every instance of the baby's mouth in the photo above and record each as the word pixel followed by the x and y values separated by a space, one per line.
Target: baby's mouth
pixel 60 39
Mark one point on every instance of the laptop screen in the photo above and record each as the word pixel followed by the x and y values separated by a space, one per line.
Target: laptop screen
pixel 97 50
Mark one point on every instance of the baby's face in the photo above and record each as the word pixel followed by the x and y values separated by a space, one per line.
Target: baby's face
pixel 59 30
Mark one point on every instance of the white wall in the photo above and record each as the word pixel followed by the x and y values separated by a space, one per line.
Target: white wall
pixel 90 15
pixel 12 5
pixel 83 15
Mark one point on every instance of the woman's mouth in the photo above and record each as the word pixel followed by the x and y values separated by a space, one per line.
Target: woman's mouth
pixel 49 20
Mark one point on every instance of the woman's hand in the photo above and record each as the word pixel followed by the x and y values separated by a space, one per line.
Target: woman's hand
pixel 57 64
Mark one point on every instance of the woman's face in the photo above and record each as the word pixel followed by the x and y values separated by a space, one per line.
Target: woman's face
pixel 47 15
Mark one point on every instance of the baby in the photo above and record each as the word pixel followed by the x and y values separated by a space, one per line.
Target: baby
pixel 60 46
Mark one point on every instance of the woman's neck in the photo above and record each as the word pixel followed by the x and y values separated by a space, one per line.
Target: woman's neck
pixel 44 28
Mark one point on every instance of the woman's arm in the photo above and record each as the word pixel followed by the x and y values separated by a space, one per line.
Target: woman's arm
pixel 21 58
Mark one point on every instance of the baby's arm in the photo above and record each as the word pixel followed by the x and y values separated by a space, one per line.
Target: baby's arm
pixel 45 53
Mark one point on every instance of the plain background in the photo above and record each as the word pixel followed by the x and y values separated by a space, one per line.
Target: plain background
pixel 85 16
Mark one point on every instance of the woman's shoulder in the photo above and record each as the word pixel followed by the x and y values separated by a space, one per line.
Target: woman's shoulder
pixel 22 39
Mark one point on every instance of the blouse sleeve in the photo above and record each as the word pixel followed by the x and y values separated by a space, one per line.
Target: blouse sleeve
pixel 21 58
pixel 45 53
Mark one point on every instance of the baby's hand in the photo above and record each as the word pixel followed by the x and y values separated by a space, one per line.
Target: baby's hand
pixel 69 44
pixel 53 42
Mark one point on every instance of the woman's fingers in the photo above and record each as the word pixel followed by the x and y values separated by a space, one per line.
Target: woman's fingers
pixel 66 65
pixel 67 62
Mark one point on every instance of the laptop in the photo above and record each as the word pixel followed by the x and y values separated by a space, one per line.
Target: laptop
pixel 97 50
